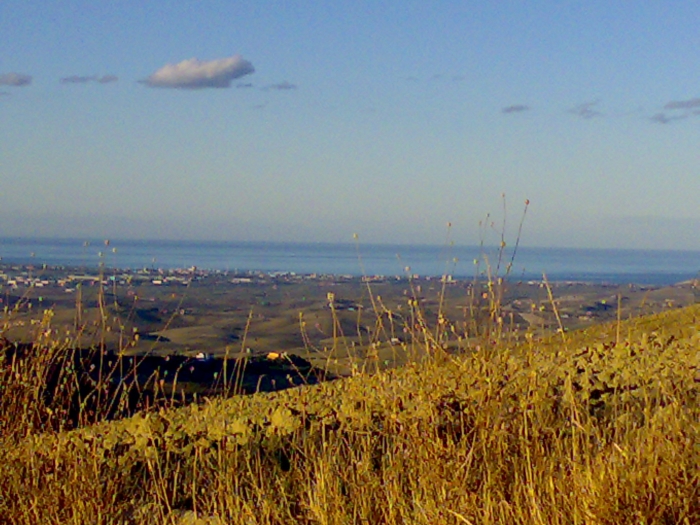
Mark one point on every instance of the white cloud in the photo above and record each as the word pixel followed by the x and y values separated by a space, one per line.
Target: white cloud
pixel 15 79
pixel 199 74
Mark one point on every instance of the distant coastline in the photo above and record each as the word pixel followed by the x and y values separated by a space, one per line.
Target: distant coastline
pixel 655 267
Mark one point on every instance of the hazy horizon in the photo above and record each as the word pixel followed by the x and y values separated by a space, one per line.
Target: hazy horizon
pixel 266 122
pixel 491 240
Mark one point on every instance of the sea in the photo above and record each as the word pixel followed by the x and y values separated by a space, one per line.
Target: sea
pixel 614 266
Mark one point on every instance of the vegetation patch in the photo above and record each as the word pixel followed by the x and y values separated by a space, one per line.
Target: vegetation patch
pixel 594 427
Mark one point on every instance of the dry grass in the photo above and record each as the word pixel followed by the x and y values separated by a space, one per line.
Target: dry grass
pixel 594 427
pixel 532 433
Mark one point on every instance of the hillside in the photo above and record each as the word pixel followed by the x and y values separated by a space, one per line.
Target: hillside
pixel 597 426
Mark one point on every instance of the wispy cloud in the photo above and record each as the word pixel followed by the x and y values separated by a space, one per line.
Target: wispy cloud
pixel 107 79
pixel 515 108
pixel 662 118
pixel 586 110
pixel 76 79
pixel 15 79
pixel 200 74
pixel 244 85
pixel 683 104
pixel 281 86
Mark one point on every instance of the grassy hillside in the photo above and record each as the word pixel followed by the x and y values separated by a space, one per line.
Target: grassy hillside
pixel 598 427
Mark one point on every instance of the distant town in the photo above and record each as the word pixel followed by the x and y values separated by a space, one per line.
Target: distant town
pixel 25 276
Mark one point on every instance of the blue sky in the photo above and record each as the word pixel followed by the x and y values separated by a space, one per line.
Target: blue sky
pixel 312 121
